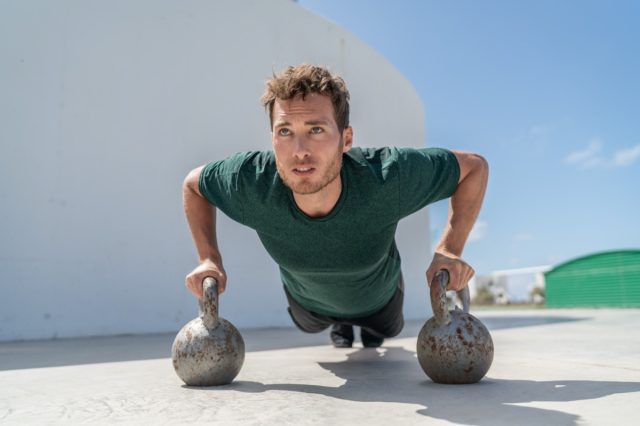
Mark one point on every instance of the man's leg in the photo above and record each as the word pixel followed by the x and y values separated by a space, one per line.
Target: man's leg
pixel 388 322
pixel 311 322
pixel 342 335
pixel 307 321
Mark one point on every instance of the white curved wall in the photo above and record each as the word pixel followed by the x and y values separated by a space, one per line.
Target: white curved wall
pixel 106 106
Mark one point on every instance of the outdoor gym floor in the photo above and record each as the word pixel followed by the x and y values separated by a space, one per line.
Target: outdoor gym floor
pixel 551 367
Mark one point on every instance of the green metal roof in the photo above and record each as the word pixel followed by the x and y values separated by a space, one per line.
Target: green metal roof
pixel 602 279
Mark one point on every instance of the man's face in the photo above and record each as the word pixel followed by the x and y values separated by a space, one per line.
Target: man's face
pixel 307 143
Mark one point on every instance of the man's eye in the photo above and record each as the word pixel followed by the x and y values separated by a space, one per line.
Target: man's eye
pixel 316 130
pixel 284 132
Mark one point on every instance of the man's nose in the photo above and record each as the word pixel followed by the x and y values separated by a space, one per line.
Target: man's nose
pixel 301 147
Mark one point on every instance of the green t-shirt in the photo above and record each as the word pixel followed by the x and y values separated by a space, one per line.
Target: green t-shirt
pixel 345 264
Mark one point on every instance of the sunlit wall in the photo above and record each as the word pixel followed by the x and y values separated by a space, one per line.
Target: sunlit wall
pixel 106 106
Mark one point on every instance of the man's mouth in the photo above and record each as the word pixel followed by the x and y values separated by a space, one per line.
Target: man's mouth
pixel 303 171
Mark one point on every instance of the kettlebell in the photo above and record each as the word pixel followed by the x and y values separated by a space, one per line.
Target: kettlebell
pixel 453 347
pixel 208 350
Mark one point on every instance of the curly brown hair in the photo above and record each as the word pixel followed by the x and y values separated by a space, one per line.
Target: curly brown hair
pixel 305 79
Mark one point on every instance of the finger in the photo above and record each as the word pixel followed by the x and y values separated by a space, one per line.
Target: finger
pixel 462 281
pixel 455 278
pixel 430 274
pixel 467 276
pixel 197 288
pixel 189 284
pixel 470 275
pixel 194 288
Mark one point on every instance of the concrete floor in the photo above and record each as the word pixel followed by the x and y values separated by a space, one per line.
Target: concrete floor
pixel 552 367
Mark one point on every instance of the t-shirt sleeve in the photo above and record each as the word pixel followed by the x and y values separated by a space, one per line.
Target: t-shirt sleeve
pixel 426 175
pixel 220 184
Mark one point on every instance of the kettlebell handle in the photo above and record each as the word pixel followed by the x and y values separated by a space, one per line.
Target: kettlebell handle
pixel 209 303
pixel 438 293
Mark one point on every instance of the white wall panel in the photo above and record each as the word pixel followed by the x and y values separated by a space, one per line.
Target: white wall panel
pixel 106 106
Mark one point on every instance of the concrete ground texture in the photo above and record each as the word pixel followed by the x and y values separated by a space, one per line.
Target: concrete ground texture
pixel 551 367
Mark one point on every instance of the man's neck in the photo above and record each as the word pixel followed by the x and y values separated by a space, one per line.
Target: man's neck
pixel 322 202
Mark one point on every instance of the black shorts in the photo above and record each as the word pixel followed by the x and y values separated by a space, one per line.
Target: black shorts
pixel 387 322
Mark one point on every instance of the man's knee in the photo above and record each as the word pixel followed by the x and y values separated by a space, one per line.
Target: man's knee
pixel 387 330
pixel 307 326
pixel 396 329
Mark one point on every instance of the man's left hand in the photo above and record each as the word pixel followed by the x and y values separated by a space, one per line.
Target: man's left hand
pixel 460 272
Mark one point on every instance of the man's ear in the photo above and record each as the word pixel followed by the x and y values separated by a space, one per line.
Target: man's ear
pixel 347 137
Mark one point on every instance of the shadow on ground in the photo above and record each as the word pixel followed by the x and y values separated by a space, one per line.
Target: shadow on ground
pixel 393 375
pixel 91 350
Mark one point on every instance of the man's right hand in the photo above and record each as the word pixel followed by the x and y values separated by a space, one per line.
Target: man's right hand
pixel 208 268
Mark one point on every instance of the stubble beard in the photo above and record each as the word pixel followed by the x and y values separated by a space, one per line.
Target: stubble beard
pixel 306 187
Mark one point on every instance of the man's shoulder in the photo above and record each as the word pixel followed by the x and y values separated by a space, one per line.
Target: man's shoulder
pixel 393 159
pixel 245 166
pixel 250 157
pixel 394 153
pixel 386 156
pixel 378 164
pixel 245 161
pixel 365 156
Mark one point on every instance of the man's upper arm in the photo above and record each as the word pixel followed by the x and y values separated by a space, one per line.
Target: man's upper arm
pixel 426 176
pixel 220 184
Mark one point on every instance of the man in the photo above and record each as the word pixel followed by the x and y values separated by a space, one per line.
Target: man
pixel 327 212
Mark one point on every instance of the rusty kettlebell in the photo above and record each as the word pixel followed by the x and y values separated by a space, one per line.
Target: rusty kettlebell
pixel 208 350
pixel 453 347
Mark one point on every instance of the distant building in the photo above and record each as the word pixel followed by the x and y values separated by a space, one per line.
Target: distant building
pixel 608 279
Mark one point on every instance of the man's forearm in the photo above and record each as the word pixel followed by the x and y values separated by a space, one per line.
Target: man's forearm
pixel 201 216
pixel 464 206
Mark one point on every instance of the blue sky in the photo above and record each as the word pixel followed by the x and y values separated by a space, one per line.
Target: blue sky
pixel 547 91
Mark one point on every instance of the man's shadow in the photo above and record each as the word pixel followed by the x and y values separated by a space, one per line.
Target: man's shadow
pixel 394 375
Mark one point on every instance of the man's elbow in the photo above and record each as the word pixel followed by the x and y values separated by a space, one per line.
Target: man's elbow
pixel 481 164
pixel 191 182
pixel 472 164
